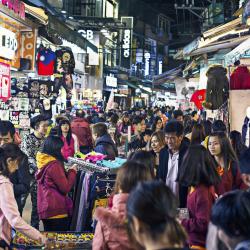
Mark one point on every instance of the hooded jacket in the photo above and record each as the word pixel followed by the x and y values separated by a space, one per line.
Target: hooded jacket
pixel 53 186
pixel 9 215
pixel 106 146
pixel 110 232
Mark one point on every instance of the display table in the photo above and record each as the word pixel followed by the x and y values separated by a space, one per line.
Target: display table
pixel 56 241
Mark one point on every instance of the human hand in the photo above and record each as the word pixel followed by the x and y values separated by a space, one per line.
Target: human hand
pixel 73 167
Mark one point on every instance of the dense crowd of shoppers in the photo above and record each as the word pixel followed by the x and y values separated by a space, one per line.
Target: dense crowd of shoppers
pixel 184 184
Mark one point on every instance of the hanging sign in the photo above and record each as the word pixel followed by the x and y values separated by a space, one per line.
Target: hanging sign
pixel 8 44
pixel 15 5
pixel 126 43
pixel 4 82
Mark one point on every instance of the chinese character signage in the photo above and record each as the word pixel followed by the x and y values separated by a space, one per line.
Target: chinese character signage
pixel 4 82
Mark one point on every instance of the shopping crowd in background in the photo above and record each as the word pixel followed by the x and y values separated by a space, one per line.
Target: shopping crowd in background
pixel 185 184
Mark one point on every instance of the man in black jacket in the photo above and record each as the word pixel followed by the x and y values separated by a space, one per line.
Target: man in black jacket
pixel 171 158
pixel 21 178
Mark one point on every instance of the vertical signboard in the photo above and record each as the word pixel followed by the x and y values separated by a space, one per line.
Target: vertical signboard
pixel 4 81
pixel 126 42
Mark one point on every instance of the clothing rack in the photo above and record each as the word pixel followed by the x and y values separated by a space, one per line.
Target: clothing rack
pixel 88 166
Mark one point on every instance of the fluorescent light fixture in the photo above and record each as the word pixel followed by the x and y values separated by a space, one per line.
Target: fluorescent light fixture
pixel 70 17
pixel 63 11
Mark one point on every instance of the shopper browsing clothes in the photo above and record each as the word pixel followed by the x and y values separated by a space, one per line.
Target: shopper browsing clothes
pixel 111 231
pixel 31 144
pixel 103 141
pixel 21 178
pixel 54 206
pixel 10 157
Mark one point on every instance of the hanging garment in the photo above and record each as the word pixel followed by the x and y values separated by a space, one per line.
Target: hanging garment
pixel 240 78
pixel 65 62
pixel 45 62
pixel 217 87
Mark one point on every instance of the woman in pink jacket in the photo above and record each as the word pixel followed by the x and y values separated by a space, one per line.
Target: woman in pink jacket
pixel 111 232
pixel 10 155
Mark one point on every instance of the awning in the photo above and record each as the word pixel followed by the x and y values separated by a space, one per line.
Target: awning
pixel 213 47
pixel 168 75
pixel 38 13
pixel 61 29
pixel 236 53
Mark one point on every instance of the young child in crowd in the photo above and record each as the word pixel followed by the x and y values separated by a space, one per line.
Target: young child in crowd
pixel 111 231
pixel 199 173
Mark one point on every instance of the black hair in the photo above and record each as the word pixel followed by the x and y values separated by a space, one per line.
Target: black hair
pixel 245 162
pixel 100 129
pixel 137 120
pixel 237 143
pixel 9 150
pixel 69 135
pixel 7 127
pixel 35 121
pixel 226 149
pixel 219 126
pixel 208 127
pixel 53 146
pixel 231 213
pixel 198 168
pixel 174 127
pixel 177 113
pixel 114 118
pixel 147 132
pixel 154 204
pixel 198 134
pixel 194 113
pixel 129 175
pixel 156 119
pixel 80 113
pixel 59 118
pixel 146 158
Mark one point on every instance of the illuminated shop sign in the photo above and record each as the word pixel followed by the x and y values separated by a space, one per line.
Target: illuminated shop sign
pixel 15 5
pixel 111 81
pixel 147 60
pixel 126 43
pixel 88 34
pixel 8 44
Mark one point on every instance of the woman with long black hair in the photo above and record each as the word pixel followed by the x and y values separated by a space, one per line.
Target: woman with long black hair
pixel 10 156
pixel 54 183
pixel 227 163
pixel 70 141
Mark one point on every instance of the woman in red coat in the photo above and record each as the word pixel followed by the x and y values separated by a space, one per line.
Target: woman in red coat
pixel 227 163
pixel 198 172
pixel 54 183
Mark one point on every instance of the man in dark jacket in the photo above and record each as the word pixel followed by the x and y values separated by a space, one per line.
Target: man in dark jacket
pixel 171 158
pixel 21 178
pixel 103 141
pixel 80 127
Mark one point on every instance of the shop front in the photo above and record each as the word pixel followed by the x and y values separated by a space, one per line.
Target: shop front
pixel 17 57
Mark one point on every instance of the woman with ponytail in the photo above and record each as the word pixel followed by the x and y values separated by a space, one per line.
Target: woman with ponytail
pixel 10 156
